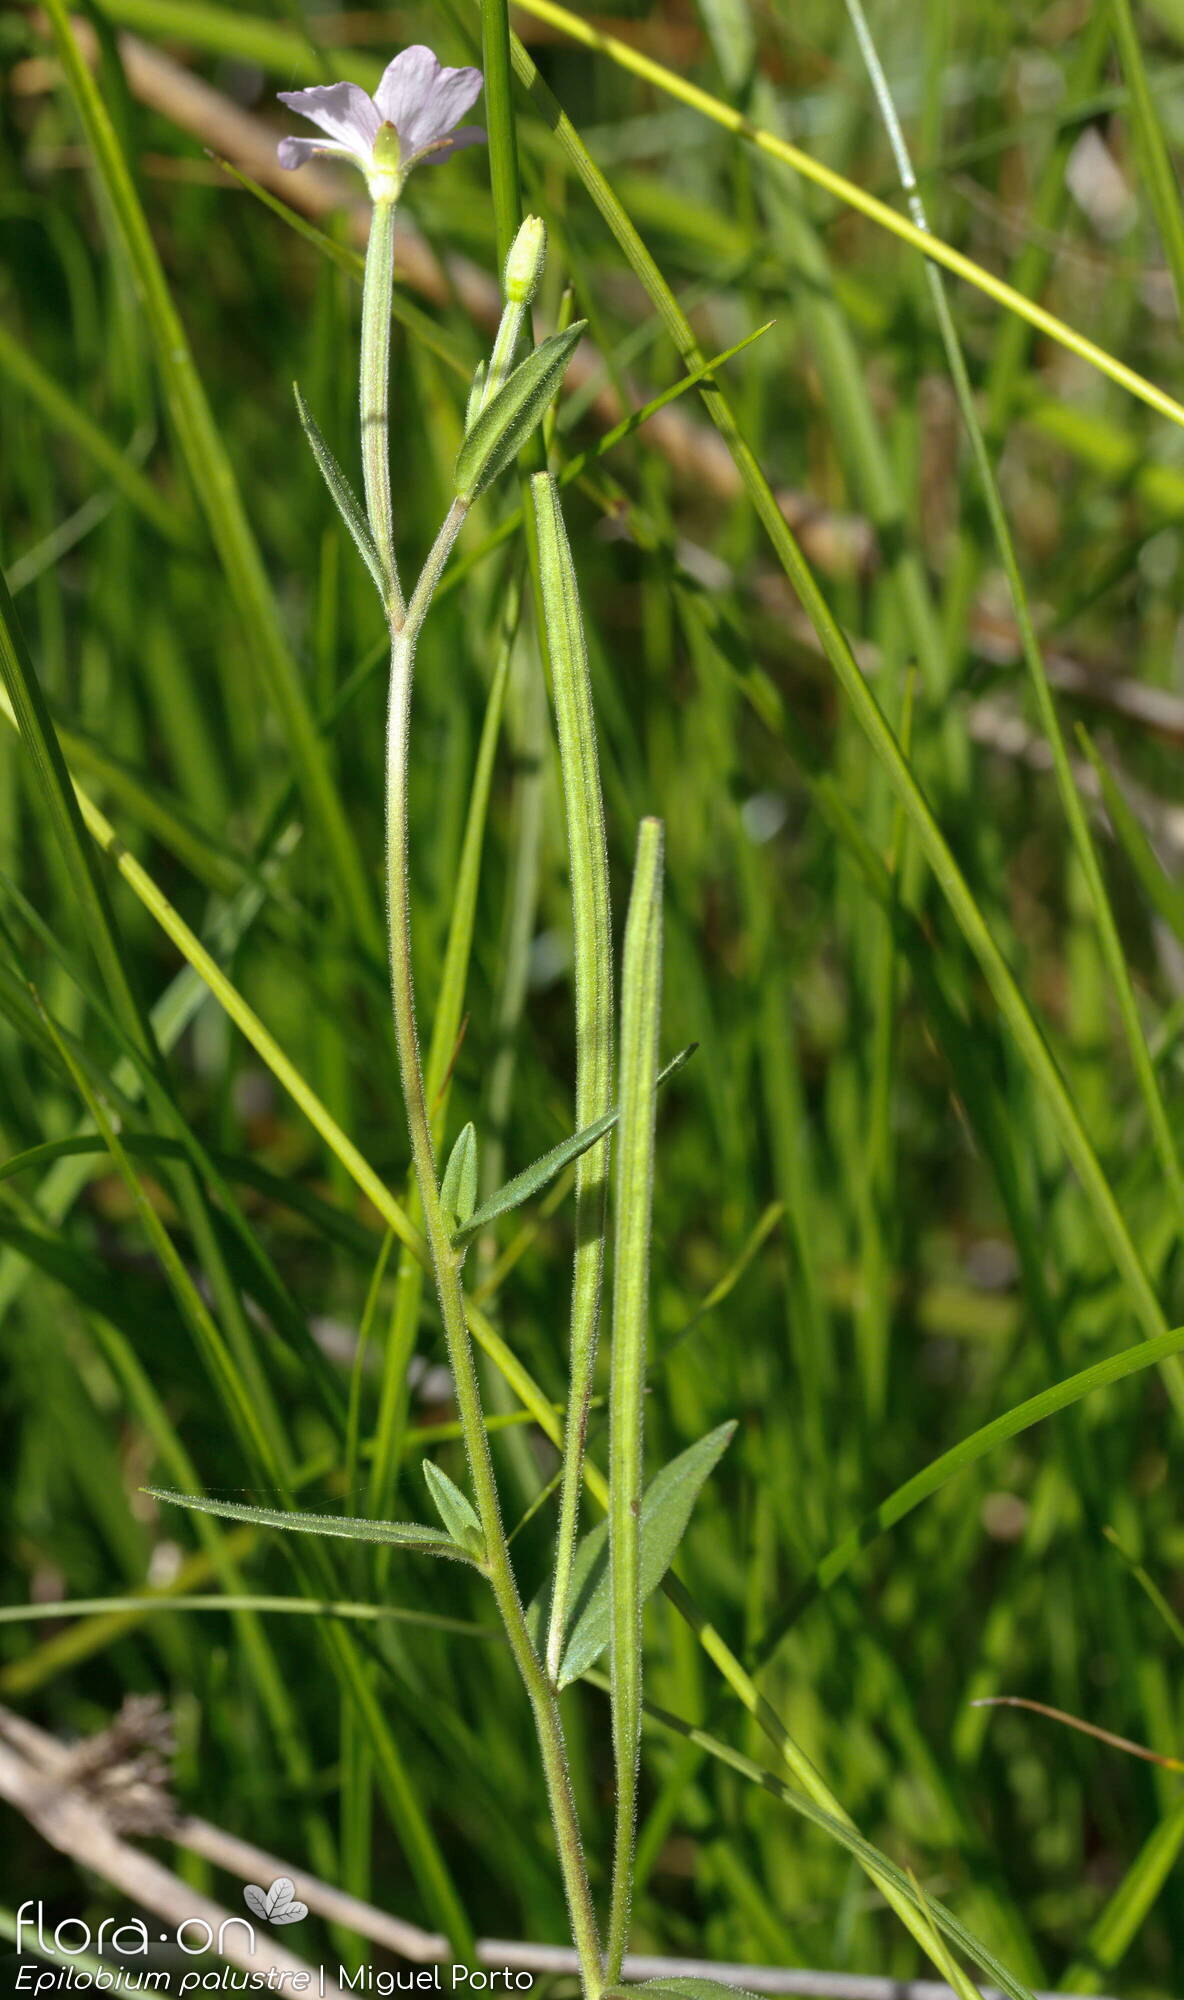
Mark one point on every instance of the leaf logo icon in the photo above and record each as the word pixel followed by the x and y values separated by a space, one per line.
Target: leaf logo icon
pixel 277 1905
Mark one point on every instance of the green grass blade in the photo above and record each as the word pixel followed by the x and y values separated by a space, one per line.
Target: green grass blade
pixel 64 414
pixel 28 712
pixel 1157 885
pixel 1061 1396
pixel 1158 173
pixel 244 1016
pixel 226 1376
pixel 891 1880
pixel 1111 1936
pixel 293 1607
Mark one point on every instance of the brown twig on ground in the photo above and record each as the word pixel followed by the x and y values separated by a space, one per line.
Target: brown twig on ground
pixel 61 1794
pixel 35 1767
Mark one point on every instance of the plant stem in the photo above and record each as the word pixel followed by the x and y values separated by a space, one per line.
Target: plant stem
pixel 446 1269
pixel 377 286
pixel 405 623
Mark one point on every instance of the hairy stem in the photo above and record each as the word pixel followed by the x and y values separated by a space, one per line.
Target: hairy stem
pixel 375 399
pixel 446 1270
pixel 592 931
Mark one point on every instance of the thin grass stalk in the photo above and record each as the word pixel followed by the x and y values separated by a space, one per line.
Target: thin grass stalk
pixel 592 935
pixel 641 991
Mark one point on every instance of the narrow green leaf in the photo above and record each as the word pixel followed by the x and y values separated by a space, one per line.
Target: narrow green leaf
pixel 641 1001
pixel 1151 148
pixel 593 965
pixel 503 426
pixel 458 1189
pixel 345 499
pixel 534 1178
pixel 456 1511
pixel 666 1509
pixel 402 1534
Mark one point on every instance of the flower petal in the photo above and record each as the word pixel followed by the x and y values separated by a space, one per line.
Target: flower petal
pixel 343 110
pixel 443 149
pixel 423 101
pixel 294 152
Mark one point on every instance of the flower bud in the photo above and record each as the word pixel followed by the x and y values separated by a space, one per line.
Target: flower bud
pixel 524 265
pixel 385 173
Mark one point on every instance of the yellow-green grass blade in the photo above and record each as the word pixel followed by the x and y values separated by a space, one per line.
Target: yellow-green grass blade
pixel 922 1485
pixel 853 196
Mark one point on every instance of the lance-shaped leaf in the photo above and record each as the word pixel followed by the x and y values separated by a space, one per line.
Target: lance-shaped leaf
pixel 532 1179
pixel 633 1192
pixel 403 1534
pixel 666 1508
pixel 346 500
pixel 501 429
pixel 592 965
pixel 458 1189
pixel 456 1511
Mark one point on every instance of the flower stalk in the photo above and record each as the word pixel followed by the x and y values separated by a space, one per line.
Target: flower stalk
pixel 375 375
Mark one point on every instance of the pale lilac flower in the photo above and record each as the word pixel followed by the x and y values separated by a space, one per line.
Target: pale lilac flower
pixel 410 121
